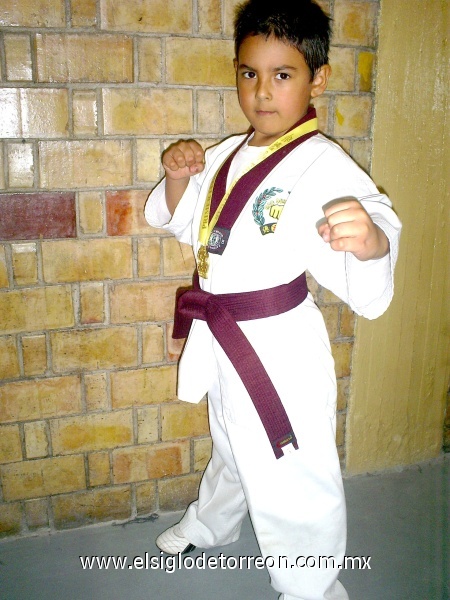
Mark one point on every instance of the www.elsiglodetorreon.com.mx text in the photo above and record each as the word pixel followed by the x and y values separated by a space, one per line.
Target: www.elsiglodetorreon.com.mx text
pixel 170 564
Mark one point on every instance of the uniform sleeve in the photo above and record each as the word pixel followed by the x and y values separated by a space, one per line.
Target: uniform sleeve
pixel 366 286
pixel 179 224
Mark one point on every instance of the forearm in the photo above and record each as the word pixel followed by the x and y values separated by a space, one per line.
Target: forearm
pixel 175 189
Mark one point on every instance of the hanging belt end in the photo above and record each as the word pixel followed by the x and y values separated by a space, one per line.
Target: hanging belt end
pixel 285 445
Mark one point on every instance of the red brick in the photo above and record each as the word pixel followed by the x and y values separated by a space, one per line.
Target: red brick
pixel 32 216
pixel 125 212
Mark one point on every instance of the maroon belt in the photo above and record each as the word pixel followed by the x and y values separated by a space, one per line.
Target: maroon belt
pixel 221 312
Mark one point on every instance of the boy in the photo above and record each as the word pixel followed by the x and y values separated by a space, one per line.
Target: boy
pixel 288 200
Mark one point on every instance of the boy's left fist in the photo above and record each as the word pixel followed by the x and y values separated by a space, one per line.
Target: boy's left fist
pixel 348 227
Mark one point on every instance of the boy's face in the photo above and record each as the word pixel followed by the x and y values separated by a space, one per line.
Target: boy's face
pixel 274 86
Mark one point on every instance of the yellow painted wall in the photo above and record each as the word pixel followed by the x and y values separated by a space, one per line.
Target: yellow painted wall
pixel 401 361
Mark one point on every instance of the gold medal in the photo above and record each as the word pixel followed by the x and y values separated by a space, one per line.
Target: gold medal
pixel 203 262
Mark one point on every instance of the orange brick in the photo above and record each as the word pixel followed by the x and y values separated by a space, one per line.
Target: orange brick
pixel 10 446
pixel 322 106
pixel 86 260
pixel 362 153
pixel 51 13
pixel 342 62
pixel 202 453
pixel 24 260
pixel 347 321
pixel 149 257
pixel 354 22
pixel 150 462
pixel 152 344
pixel 177 493
pixel 345 144
pixel 96 391
pixel 99 469
pixel 91 303
pixel 328 297
pixel 184 420
pixel 18 57
pixel 148 424
pixel 353 116
pixel 84 13
pixel 35 309
pixel 94 506
pixel 33 112
pixel 36 514
pixel 86 163
pixel 144 301
pixel 234 119
pixel 90 212
pixel 21 165
pixel 148 154
pixel 84 107
pixel 147 111
pixel 331 315
pixel 10 519
pixel 209 115
pixel 145 498
pixel 149 54
pixel 36 442
pixel 125 212
pixel 9 361
pixel 43 477
pixel 40 399
pixel 342 354
pixel 209 16
pixel 143 386
pixel 213 60
pixel 94 349
pixel 230 7
pixel 178 258
pixel 153 17
pixel 83 57
pixel 89 433
pixel 34 350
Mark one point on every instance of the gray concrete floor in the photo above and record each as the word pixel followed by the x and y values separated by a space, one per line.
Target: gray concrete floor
pixel 399 519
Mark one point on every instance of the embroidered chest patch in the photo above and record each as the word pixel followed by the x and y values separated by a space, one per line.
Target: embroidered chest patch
pixel 267 209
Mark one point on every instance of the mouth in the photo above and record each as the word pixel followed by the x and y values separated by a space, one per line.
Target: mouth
pixel 265 113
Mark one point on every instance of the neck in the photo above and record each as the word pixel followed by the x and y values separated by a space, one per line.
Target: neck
pixel 261 139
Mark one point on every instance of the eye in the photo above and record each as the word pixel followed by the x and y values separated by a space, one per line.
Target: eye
pixel 249 74
pixel 283 76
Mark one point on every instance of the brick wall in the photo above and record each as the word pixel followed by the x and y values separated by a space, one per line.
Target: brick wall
pixel 91 93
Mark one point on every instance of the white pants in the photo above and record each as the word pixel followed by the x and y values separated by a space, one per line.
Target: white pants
pixel 296 503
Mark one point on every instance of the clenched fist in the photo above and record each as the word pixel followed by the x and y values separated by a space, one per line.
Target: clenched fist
pixel 348 227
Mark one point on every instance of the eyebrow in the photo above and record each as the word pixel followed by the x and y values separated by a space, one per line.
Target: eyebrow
pixel 275 69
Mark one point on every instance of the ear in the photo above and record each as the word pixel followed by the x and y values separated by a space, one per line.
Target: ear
pixel 320 81
pixel 235 64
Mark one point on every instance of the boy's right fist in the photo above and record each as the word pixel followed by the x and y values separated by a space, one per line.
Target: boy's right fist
pixel 183 159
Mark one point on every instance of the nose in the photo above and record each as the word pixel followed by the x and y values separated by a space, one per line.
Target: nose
pixel 263 89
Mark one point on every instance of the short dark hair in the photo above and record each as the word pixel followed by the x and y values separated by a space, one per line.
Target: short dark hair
pixel 301 23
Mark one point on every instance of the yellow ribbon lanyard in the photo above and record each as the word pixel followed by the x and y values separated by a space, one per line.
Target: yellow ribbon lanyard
pixel 207 225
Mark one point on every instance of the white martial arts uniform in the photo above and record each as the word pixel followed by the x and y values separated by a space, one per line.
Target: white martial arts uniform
pixel 296 503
